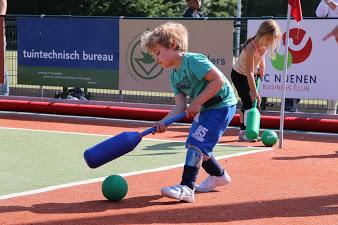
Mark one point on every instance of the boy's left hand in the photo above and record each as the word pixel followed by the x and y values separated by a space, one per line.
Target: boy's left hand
pixel 193 109
pixel 159 127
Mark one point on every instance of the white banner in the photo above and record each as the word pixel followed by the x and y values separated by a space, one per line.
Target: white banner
pixel 140 72
pixel 312 65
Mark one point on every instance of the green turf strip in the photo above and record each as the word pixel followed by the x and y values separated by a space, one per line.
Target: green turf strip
pixel 38 159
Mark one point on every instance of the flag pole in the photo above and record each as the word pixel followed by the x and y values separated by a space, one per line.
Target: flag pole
pixel 285 72
pixel 238 28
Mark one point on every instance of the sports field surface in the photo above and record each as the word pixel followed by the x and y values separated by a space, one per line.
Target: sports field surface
pixel 44 178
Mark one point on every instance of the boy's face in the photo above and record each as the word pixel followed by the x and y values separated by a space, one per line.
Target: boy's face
pixel 165 57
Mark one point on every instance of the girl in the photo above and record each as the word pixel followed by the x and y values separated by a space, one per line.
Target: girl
pixel 213 106
pixel 246 66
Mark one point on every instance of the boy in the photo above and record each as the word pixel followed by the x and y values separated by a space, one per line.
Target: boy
pixel 213 106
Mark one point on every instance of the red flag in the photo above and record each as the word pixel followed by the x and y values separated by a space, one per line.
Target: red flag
pixel 296 9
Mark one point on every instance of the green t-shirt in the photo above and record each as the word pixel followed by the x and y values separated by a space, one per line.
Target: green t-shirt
pixel 189 79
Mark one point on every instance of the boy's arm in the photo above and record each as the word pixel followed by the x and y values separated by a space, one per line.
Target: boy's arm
pixel 216 81
pixel 180 106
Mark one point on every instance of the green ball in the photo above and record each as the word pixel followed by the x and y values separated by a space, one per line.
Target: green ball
pixel 269 138
pixel 114 188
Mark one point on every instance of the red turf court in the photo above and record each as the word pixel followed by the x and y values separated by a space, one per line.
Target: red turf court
pixel 295 185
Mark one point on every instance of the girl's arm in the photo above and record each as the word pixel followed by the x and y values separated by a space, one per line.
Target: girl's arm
pixel 216 81
pixel 250 71
pixel 262 68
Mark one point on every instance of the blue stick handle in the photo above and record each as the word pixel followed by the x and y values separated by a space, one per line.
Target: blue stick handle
pixel 166 123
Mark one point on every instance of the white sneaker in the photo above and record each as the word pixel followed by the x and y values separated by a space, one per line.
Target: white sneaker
pixel 243 138
pixel 180 192
pixel 211 182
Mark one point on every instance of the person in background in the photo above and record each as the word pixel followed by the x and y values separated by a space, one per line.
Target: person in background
pixel 291 104
pixel 327 8
pixel 333 33
pixel 193 10
pixel 252 58
pixel 4 88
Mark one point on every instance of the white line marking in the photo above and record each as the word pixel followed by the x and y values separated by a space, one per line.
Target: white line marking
pixel 107 135
pixel 76 133
pixel 53 131
pixel 56 187
pixel 81 118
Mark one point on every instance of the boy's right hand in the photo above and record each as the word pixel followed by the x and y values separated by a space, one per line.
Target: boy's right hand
pixel 159 127
pixel 193 109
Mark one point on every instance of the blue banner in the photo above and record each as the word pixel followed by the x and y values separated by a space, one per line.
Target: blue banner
pixel 68 51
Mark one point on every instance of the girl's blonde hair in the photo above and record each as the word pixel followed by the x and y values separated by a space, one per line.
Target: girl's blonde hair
pixel 166 35
pixel 268 28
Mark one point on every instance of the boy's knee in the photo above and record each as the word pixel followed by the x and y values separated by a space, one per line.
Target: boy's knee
pixel 194 156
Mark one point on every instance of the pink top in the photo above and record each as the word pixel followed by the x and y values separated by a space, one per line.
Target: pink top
pixel 240 65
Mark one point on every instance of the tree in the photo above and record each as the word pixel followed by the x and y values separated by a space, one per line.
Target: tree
pixel 155 8
pixel 175 8
pixel 132 8
pixel 254 8
pixel 276 8
pixel 220 8
pixel 37 7
pixel 137 8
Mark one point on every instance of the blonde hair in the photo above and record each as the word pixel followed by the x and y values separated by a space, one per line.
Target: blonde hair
pixel 268 28
pixel 166 35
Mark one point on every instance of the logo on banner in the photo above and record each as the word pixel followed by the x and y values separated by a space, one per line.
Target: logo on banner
pixel 300 50
pixel 140 62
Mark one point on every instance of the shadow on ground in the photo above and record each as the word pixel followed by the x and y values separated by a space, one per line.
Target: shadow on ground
pixel 293 207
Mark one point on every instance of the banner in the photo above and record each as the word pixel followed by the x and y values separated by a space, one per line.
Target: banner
pixel 312 62
pixel 2 53
pixel 73 52
pixel 139 71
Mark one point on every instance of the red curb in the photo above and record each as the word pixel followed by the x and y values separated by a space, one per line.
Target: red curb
pixel 270 122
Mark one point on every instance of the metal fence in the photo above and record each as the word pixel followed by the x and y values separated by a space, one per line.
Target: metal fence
pixel 270 104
